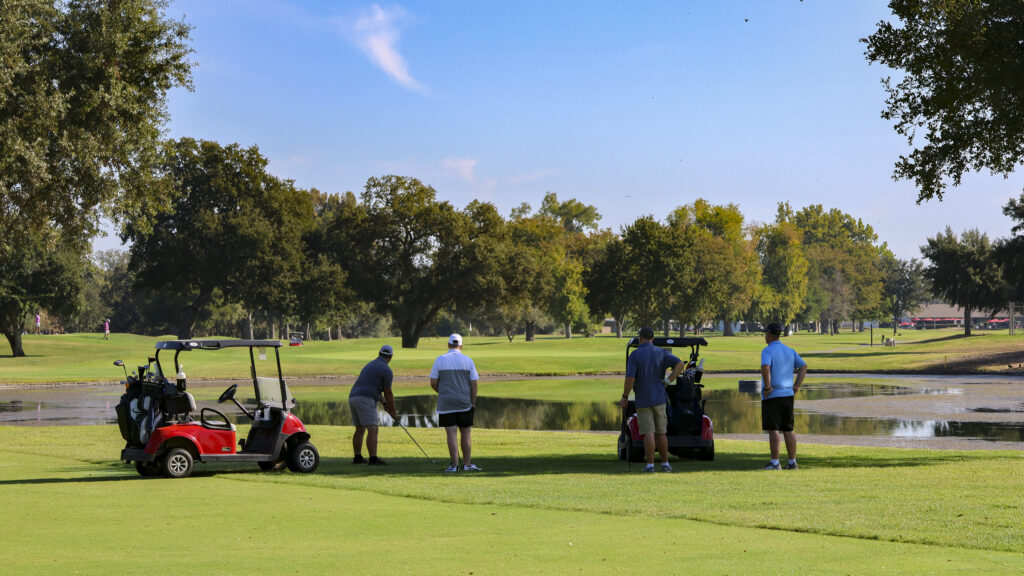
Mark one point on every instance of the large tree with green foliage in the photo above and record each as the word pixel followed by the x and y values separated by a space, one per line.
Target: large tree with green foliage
pixel 658 266
pixel 40 270
pixel 608 282
pixel 83 88
pixel 964 272
pixel 726 268
pixel 960 88
pixel 845 278
pixel 413 256
pixel 1009 252
pixel 232 227
pixel 784 269
pixel 905 288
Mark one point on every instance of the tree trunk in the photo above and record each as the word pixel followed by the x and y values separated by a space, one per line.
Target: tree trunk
pixel 410 334
pixel 186 322
pixel 618 328
pixel 340 336
pixel 531 330
pixel 308 335
pixel 727 327
pixel 17 349
pixel 568 329
pixel 682 329
pixel 251 334
pixel 967 320
pixel 273 330
pixel 328 333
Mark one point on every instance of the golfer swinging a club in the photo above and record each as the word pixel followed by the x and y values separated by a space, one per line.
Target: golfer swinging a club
pixel 372 386
pixel 454 378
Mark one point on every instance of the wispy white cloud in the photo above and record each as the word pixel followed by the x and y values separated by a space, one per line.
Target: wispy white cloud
pixel 459 167
pixel 377 33
pixel 537 175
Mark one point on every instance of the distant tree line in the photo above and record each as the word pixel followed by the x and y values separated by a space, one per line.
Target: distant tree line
pixel 235 250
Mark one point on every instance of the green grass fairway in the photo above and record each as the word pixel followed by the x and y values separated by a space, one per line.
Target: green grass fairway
pixel 87 357
pixel 550 503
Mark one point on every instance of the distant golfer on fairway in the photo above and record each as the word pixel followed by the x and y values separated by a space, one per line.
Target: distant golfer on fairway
pixel 645 369
pixel 454 378
pixel 778 362
pixel 373 385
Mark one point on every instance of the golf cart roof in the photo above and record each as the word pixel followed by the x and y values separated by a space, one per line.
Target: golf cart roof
pixel 670 342
pixel 215 344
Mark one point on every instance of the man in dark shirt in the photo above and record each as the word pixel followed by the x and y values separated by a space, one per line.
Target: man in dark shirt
pixel 372 386
pixel 645 369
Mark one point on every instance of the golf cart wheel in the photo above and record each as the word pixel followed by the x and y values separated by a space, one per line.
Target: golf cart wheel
pixel 303 458
pixel 147 469
pixel 706 454
pixel 177 463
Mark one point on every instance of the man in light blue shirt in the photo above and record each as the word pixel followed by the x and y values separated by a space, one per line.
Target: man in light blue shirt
pixel 778 362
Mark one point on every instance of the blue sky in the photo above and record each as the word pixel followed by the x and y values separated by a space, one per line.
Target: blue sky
pixel 635 108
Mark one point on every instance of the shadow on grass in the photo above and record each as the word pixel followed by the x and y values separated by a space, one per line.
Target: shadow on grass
pixel 515 466
pixel 556 464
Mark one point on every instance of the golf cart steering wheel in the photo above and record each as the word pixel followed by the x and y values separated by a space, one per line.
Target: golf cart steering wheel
pixel 228 394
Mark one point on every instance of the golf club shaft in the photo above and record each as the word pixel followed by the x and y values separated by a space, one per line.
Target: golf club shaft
pixel 432 461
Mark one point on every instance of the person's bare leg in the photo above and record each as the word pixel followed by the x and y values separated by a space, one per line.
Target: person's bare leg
pixel 649 448
pixel 662 441
pixel 790 444
pixel 451 434
pixel 371 441
pixel 467 445
pixel 357 441
pixel 773 443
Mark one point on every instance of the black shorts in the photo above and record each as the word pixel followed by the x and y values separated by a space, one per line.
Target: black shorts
pixel 460 419
pixel 777 414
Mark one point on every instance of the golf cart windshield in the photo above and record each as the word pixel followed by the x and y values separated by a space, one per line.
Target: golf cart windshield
pixel 270 392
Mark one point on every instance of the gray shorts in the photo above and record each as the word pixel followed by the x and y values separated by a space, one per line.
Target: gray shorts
pixel 364 410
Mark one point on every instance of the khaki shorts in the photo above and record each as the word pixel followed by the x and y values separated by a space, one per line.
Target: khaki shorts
pixel 652 419
pixel 364 410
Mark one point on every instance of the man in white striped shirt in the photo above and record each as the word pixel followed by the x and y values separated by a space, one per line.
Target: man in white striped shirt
pixel 454 378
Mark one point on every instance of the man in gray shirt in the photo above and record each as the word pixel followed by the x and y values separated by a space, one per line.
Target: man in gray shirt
pixel 454 378
pixel 373 385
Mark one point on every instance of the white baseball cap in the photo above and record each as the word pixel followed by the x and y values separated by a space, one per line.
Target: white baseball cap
pixel 455 340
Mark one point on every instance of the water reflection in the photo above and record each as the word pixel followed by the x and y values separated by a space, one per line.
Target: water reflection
pixel 732 412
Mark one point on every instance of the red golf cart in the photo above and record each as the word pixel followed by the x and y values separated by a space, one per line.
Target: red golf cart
pixel 157 418
pixel 690 431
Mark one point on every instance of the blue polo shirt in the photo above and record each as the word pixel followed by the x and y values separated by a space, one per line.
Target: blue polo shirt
pixel 373 380
pixel 783 361
pixel 647 364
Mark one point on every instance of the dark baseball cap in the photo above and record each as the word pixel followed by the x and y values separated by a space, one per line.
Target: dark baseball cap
pixel 773 328
pixel 386 350
pixel 647 333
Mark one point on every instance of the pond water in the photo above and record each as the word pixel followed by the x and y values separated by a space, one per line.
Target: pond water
pixel 732 412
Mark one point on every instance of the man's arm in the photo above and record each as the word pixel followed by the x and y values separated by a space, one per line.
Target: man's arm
pixel 676 371
pixel 766 377
pixel 389 403
pixel 800 378
pixel 627 387
pixel 433 384
pixel 472 392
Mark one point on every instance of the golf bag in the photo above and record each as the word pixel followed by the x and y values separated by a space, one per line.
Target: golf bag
pixel 685 408
pixel 147 404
